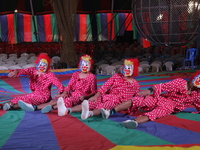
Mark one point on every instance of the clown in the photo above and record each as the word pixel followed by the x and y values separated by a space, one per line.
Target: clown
pixel 41 81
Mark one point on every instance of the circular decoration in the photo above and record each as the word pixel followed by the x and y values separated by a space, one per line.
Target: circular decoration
pixel 167 22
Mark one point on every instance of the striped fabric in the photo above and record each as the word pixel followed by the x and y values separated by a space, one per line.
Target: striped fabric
pixel 18 27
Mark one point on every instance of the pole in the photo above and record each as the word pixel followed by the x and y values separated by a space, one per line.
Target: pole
pixel 112 7
pixel 32 12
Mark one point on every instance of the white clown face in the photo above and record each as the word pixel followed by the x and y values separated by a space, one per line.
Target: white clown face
pixel 42 65
pixel 128 70
pixel 196 81
pixel 85 66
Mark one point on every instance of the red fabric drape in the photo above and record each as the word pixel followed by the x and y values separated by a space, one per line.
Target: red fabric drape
pixel 83 27
pixel 128 22
pixel 27 28
pixel 11 30
pixel 47 28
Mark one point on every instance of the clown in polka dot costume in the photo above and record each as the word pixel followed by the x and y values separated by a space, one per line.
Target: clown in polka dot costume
pixel 41 80
pixel 82 83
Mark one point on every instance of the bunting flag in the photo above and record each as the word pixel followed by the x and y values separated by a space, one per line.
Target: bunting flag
pixel 24 28
pixel 83 29
pixel 11 28
pixel 145 43
pixel 120 24
pixel 7 28
pixel 55 34
pixel 109 26
pixel 34 27
pixel 102 26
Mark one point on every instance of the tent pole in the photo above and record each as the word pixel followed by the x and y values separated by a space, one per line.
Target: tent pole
pixel 112 7
pixel 32 12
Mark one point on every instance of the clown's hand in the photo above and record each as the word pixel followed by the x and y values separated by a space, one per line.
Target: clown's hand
pixel 82 98
pixel 93 98
pixel 13 74
pixel 63 95
pixel 57 96
pixel 145 93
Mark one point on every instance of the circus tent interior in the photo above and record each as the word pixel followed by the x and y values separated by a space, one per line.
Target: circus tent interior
pixel 106 30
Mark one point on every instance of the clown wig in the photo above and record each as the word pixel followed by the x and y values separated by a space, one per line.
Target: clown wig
pixel 43 56
pixel 86 58
pixel 194 75
pixel 135 63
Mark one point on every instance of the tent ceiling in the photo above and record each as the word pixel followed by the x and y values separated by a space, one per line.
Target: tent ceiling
pixel 44 6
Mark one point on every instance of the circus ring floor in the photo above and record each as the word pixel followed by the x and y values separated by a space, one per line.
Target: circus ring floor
pixel 22 130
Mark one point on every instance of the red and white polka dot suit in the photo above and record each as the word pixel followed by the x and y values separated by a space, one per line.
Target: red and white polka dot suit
pixel 115 91
pixel 167 98
pixel 80 87
pixel 40 86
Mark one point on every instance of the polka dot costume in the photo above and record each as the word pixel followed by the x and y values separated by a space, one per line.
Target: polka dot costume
pixel 167 98
pixel 78 87
pixel 40 86
pixel 115 91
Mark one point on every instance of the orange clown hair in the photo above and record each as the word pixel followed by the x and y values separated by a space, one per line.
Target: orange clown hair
pixel 43 56
pixel 194 75
pixel 86 58
pixel 135 63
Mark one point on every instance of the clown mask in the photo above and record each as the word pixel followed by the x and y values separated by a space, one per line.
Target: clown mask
pixel 196 81
pixel 85 66
pixel 128 68
pixel 42 65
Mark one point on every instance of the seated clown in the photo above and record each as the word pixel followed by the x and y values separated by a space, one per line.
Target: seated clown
pixel 41 80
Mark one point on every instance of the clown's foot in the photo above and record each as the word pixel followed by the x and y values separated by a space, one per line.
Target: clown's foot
pixel 105 113
pixel 85 110
pixel 62 110
pixel 25 106
pixel 46 109
pixel 6 106
pixel 130 124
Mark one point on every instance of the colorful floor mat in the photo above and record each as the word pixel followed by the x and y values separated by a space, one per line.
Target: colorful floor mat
pixel 23 130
